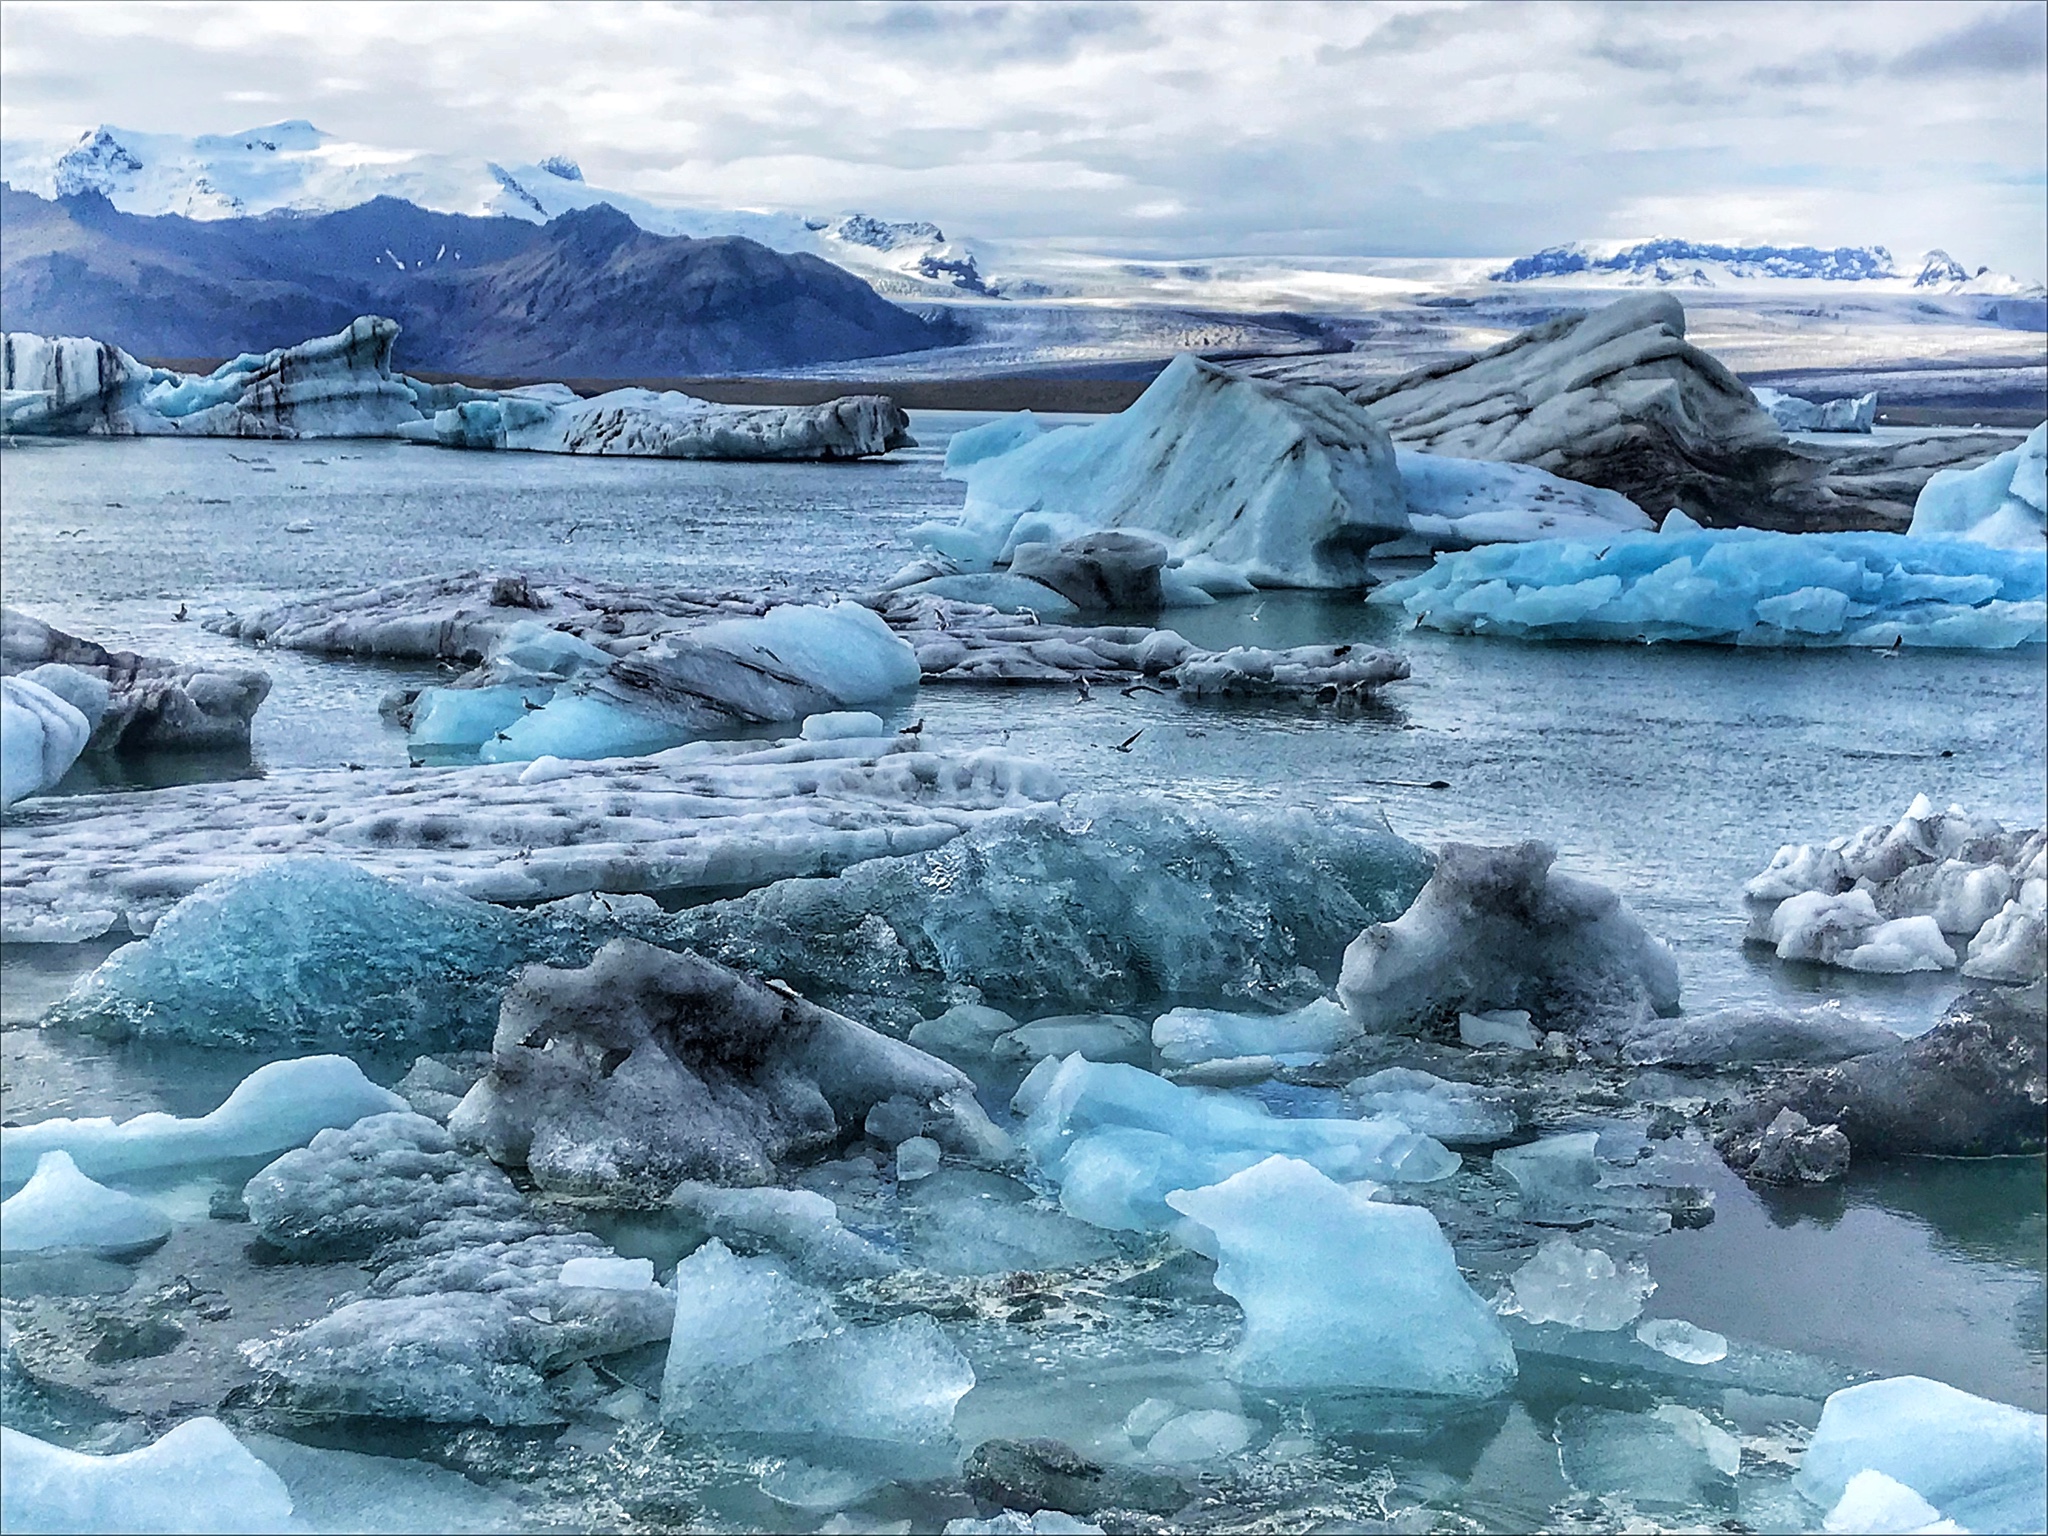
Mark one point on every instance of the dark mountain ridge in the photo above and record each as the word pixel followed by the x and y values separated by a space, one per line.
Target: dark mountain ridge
pixel 590 293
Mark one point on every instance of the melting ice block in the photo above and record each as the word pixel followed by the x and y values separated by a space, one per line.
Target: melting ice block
pixel 1341 1292
pixel 1188 1035
pixel 1117 1139
pixel 2003 502
pixel 1581 1287
pixel 275 1107
pixel 59 1207
pixel 1682 1341
pixel 1458 1114
pixel 757 1353
pixel 198 1477
pixel 41 735
pixel 1982 1464
pixel 1738 586
pixel 1672 1456
pixel 1875 1505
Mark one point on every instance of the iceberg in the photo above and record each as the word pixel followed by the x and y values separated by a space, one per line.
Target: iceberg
pixel 1108 904
pixel 135 703
pixel 1857 413
pixel 277 1106
pixel 641 423
pixel 1498 928
pixel 1322 490
pixel 1890 899
pixel 1117 1140
pixel 41 736
pixel 196 1477
pixel 1982 1464
pixel 308 952
pixel 59 1207
pixel 2002 503
pixel 1456 503
pixel 732 814
pixel 648 1068
pixel 1737 586
pixel 1342 1292
pixel 756 1353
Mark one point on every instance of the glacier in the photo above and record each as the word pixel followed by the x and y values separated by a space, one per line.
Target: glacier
pixel 1342 1291
pixel 2002 502
pixel 1737 586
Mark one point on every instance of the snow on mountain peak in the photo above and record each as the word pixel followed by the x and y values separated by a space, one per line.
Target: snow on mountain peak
pixel 1698 263
pixel 563 167
pixel 95 164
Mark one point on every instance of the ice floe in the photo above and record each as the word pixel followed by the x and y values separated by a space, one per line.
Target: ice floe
pixel 649 1068
pixel 1980 1463
pixel 756 1353
pixel 1117 1140
pixel 1892 898
pixel 2002 502
pixel 196 1477
pixel 1737 586
pixel 277 1106
pixel 1342 1291
pixel 1498 928
pixel 59 1207
pixel 711 814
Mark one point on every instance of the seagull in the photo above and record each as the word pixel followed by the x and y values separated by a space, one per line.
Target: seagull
pixel 1254 614
pixel 501 736
pixel 1137 688
pixel 1081 686
pixel 528 703
pixel 1891 650
pixel 1125 744
pixel 181 615
pixel 916 727
pixel 571 533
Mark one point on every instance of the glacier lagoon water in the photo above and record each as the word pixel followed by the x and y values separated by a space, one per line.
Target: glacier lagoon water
pixel 1669 772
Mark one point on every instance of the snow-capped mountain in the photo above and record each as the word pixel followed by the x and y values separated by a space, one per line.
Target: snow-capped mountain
pixel 1670 263
pixel 294 166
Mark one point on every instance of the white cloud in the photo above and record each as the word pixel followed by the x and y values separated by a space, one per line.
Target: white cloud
pixel 1391 128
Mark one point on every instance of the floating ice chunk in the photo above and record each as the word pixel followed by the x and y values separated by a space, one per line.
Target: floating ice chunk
pixel 1503 1026
pixel 307 951
pixel 1098 1036
pixel 1682 1341
pixel 1498 928
pixel 1854 413
pixel 1174 465
pixel 965 1032
pixel 1742 1036
pixel 1670 1457
pixel 276 1106
pixel 1982 1464
pixel 59 1207
pixel 917 1158
pixel 539 648
pixel 990 439
pixel 1011 1522
pixel 842 725
pixel 608 1274
pixel 966 1221
pixel 1561 1178
pixel 2013 946
pixel 1738 586
pixel 1189 1035
pixel 1581 1287
pixel 448 720
pixel 41 736
pixel 1457 1114
pixel 1341 1291
pixel 2001 502
pixel 800 1224
pixel 1116 1139
pixel 1847 931
pixel 197 1477
pixel 756 1353
pixel 1875 1505
pixel 842 648
pixel 1901 945
pixel 1207 1434
pixel 89 694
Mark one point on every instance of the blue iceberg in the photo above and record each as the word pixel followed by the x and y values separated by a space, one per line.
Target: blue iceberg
pixel 1737 586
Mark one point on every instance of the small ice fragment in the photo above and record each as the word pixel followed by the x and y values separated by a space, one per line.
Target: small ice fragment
pixel 1875 1505
pixel 1682 1341
pixel 1143 1421
pixel 842 724
pixel 1581 1287
pixel 608 1274
pixel 1203 1435
pixel 198 1477
pixel 1503 1026
pixel 298 525
pixel 916 1158
pixel 59 1207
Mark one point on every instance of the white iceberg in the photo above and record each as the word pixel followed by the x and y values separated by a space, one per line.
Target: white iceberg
pixel 757 1353
pixel 197 1477
pixel 1737 586
pixel 41 736
pixel 59 1207
pixel 2002 502
pixel 1341 1291
pixel 1982 1464
pixel 1117 1139
pixel 1855 413
pixel 275 1107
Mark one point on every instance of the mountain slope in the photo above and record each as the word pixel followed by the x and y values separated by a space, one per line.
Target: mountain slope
pixel 588 293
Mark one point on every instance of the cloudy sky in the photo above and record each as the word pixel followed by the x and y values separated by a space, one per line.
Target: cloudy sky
pixel 1356 128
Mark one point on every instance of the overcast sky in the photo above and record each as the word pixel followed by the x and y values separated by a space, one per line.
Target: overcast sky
pixel 1357 128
